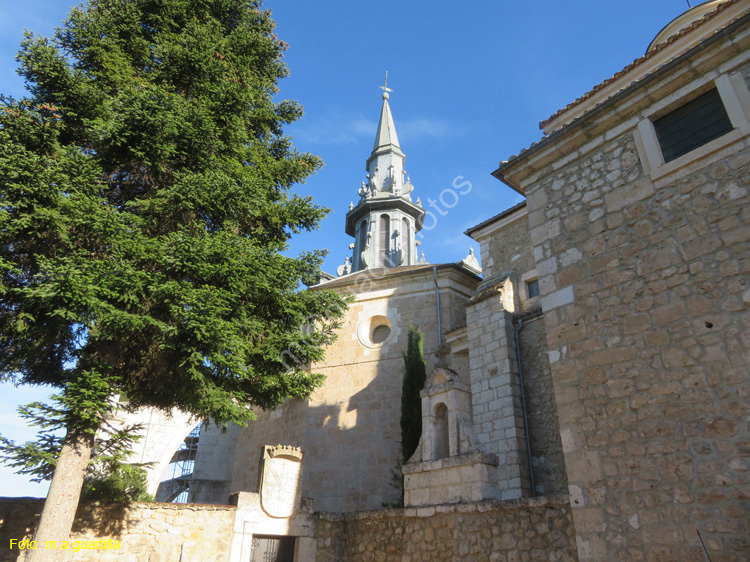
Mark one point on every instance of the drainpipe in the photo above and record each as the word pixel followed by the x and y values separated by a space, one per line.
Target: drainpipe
pixel 437 297
pixel 517 325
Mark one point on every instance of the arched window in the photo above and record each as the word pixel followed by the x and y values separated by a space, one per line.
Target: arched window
pixel 361 242
pixel 440 433
pixel 385 241
pixel 405 245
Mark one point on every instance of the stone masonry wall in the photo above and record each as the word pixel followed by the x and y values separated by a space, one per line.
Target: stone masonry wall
pixel 646 291
pixel 148 532
pixel 519 530
pixel 349 430
pixel 544 429
pixel 507 251
pixel 495 391
pixel 18 520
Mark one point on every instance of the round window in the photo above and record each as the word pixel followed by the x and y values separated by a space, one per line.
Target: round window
pixel 378 331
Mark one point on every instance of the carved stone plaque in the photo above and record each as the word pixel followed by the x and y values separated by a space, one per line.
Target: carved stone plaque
pixel 280 486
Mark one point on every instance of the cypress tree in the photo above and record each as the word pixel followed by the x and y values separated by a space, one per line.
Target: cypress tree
pixel 415 375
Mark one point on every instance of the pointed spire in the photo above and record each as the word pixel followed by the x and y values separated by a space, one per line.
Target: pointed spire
pixel 386 128
pixel 386 134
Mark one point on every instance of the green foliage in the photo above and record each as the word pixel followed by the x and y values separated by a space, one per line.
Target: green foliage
pixel 415 376
pixel 117 482
pixel 144 205
pixel 108 477
pixel 397 483
pixel 36 459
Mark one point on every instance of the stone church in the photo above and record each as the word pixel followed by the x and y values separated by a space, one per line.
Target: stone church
pixel 588 392
pixel 487 331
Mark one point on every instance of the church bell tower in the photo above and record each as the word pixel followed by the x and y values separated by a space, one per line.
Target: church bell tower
pixel 385 221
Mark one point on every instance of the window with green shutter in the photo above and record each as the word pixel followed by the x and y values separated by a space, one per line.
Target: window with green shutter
pixel 692 125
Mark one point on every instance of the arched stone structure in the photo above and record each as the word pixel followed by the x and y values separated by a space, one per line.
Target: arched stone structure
pixel 449 465
pixel 162 434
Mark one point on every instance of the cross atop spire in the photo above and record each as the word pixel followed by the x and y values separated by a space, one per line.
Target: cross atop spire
pixel 385 87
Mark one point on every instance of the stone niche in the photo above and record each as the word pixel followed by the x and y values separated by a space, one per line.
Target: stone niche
pixel 449 465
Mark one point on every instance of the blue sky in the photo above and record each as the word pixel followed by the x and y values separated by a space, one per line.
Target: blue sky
pixel 470 81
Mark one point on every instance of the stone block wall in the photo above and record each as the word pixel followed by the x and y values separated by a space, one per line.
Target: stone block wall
pixel 519 530
pixel 544 429
pixel 506 250
pixel 510 250
pixel 350 429
pixel 644 275
pixel 507 258
pixel 495 389
pixel 18 520
pixel 153 532
pixel 457 479
pixel 645 292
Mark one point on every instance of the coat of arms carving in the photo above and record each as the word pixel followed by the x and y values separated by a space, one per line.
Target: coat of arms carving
pixel 280 486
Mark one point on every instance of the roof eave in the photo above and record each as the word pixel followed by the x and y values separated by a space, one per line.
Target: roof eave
pixel 663 50
pixel 502 171
pixel 492 220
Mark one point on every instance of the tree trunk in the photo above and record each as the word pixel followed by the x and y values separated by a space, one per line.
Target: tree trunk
pixel 62 498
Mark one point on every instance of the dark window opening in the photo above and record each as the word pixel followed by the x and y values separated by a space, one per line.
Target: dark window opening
pixel 532 287
pixel 385 241
pixel 380 329
pixel 694 124
pixel 405 246
pixel 381 333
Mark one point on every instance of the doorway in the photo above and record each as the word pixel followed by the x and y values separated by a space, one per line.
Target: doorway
pixel 272 549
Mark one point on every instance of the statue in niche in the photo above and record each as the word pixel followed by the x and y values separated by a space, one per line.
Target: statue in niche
pixel 398 251
pixel 364 254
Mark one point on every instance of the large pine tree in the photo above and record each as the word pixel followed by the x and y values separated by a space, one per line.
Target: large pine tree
pixel 144 205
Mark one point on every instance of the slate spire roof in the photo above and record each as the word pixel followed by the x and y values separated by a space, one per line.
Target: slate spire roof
pixel 386 134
